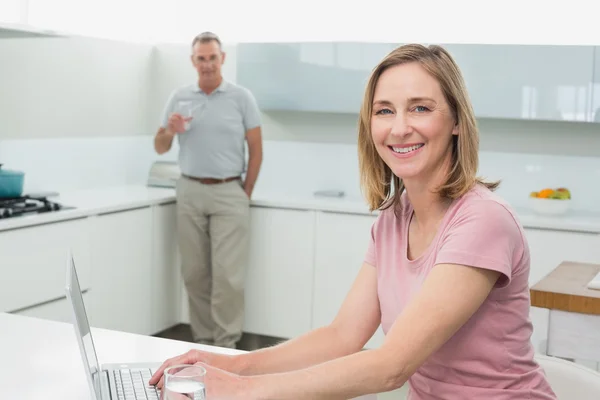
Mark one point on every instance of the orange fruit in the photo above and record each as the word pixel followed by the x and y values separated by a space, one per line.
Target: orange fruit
pixel 545 193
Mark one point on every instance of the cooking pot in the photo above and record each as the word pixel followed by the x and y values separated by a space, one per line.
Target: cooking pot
pixel 11 183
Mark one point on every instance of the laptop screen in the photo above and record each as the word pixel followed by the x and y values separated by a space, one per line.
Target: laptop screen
pixel 82 329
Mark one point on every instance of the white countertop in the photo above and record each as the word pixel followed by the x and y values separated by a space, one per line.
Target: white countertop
pixel 94 202
pixel 41 358
pixel 111 199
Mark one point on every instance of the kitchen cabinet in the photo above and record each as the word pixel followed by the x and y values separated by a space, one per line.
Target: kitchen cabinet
pixel 595 109
pixel 531 82
pixel 127 263
pixel 165 271
pixel 322 77
pixel 58 310
pixel 548 249
pixel 33 262
pixel 12 30
pixel 121 295
pixel 279 276
pixel 340 246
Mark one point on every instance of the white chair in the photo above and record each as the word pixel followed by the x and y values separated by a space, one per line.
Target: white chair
pixel 570 381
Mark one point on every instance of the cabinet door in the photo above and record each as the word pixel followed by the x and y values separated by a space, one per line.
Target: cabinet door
pixel 280 272
pixel 340 247
pixel 166 274
pixel 548 249
pixel 595 109
pixel 57 310
pixel 323 77
pixel 33 262
pixel 526 81
pixel 121 271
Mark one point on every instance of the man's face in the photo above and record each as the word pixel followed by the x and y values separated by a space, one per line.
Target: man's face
pixel 208 58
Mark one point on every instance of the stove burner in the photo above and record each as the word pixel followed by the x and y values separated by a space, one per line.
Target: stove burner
pixel 14 207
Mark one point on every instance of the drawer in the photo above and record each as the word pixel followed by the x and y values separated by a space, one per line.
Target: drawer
pixel 33 262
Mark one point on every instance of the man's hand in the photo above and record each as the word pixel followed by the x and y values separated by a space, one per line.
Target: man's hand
pixel 221 361
pixel 177 123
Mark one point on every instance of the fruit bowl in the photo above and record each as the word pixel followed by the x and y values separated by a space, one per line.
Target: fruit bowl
pixel 549 206
pixel 550 201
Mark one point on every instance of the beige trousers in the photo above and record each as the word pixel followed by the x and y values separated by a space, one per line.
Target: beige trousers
pixel 213 224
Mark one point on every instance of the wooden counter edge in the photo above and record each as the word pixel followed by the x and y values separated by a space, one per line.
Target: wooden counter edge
pixel 565 302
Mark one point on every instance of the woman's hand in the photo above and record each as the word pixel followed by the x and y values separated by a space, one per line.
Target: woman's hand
pixel 223 385
pixel 221 361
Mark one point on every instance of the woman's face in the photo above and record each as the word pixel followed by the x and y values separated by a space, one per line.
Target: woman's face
pixel 412 125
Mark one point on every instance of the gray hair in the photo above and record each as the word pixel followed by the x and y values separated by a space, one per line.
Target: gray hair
pixel 206 37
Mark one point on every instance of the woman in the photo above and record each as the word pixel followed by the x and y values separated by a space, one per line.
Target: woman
pixel 446 272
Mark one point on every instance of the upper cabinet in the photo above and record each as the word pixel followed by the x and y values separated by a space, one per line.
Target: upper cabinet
pixel 595 110
pixel 327 77
pixel 552 83
pixel 20 31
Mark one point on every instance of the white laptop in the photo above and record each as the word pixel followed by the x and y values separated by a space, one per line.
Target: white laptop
pixel 109 381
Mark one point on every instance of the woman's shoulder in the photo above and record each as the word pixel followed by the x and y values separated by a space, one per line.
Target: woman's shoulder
pixel 487 207
pixel 481 196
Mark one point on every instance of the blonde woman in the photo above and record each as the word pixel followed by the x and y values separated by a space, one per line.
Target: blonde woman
pixel 446 272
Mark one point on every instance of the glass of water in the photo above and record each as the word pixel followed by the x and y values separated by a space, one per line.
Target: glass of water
pixel 184 382
pixel 185 108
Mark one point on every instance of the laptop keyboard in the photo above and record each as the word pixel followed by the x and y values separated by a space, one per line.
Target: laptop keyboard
pixel 132 384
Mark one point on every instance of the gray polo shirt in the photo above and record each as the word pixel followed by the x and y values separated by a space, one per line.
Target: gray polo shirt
pixel 214 144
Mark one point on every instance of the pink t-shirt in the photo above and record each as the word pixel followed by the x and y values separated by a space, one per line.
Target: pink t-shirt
pixel 491 356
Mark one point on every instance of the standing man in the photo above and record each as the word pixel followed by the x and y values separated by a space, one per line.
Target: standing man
pixel 212 119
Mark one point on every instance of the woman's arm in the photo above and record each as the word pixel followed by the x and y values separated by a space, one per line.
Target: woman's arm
pixel 355 323
pixel 450 295
pixel 353 326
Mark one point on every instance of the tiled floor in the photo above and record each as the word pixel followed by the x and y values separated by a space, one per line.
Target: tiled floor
pixel 253 342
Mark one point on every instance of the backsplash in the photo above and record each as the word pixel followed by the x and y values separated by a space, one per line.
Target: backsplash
pixel 306 167
pixel 290 167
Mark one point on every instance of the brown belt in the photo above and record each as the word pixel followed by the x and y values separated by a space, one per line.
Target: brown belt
pixel 211 181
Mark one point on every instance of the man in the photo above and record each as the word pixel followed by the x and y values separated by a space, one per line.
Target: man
pixel 211 120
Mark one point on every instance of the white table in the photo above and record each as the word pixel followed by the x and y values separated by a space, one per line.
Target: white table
pixel 40 359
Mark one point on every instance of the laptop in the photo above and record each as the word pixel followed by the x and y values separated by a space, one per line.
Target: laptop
pixel 110 381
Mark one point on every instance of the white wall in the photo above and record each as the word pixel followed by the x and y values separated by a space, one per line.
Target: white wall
pixel 73 87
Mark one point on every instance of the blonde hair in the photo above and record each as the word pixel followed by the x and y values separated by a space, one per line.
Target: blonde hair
pixel 376 177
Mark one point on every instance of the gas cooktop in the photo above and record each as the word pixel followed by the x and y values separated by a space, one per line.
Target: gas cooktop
pixel 29 204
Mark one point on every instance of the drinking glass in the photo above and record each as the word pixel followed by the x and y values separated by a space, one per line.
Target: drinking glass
pixel 186 109
pixel 184 382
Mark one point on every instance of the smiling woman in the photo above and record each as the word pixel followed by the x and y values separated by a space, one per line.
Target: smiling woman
pixel 445 275
pixel 422 96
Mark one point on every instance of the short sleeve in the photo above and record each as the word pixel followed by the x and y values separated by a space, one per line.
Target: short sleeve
pixel 484 235
pixel 168 109
pixel 251 112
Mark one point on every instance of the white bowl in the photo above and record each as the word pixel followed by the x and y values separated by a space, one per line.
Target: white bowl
pixel 549 206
